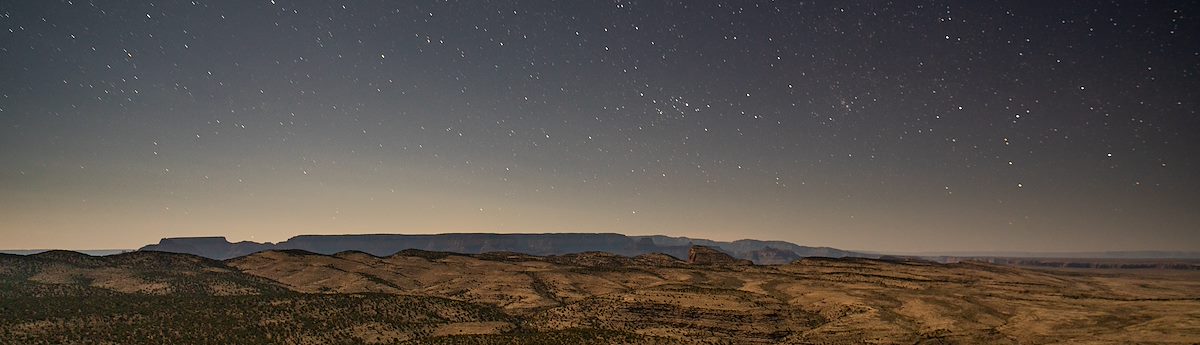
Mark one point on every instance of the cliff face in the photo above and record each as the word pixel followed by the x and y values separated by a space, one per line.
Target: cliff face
pixel 211 247
pixel 467 243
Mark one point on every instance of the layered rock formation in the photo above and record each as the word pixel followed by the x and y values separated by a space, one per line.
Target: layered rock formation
pixel 535 244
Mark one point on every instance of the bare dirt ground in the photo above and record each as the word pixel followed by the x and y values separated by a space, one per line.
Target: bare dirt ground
pixel 808 301
pixel 600 298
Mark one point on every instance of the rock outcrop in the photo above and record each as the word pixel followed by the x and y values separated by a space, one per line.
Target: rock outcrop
pixel 216 247
pixel 704 255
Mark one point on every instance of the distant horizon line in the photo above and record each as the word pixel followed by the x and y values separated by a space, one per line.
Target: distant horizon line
pixel 1124 253
pixel 864 251
pixel 928 253
pixel 931 253
pixel 1112 255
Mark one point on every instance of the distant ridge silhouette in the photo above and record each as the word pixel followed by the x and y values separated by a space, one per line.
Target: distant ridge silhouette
pixel 760 252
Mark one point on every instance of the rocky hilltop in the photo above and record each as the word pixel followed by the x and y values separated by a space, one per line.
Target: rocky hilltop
pixel 703 255
pixel 760 252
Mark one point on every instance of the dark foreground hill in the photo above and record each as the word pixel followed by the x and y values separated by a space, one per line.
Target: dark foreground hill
pixel 424 297
pixel 68 273
pixel 761 252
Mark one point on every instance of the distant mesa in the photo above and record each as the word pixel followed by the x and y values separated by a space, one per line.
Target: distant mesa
pixel 759 252
pixel 216 247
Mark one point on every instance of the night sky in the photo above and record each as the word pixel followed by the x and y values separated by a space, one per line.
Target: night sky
pixel 907 126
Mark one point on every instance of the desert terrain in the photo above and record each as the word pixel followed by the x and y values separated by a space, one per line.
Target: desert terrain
pixel 419 297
